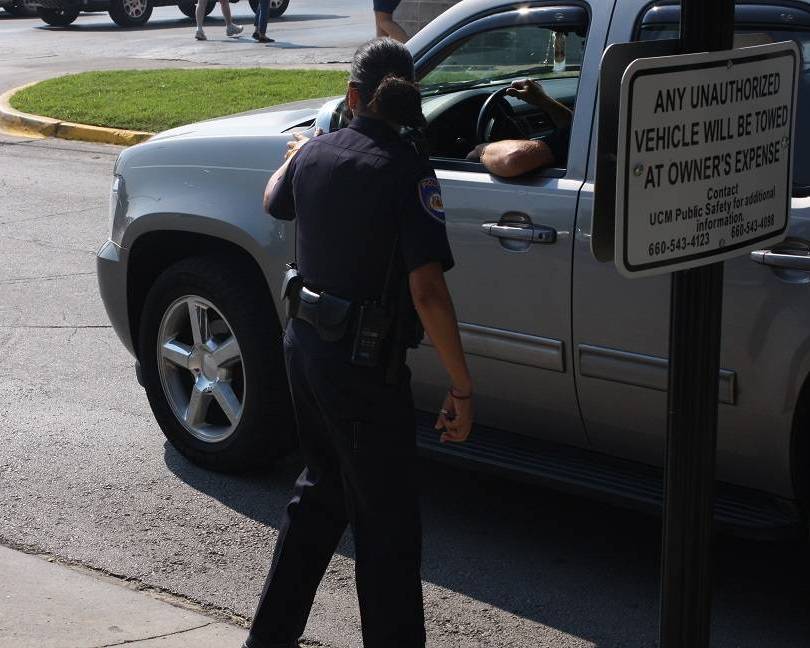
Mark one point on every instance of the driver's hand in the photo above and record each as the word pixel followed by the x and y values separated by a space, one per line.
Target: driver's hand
pixel 529 91
pixel 477 153
pixel 299 139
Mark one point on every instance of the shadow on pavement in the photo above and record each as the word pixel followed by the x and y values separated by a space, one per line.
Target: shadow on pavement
pixel 584 568
pixel 182 21
pixel 291 46
pixel 78 27
pixel 305 18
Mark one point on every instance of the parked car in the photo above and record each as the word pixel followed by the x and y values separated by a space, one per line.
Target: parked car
pixel 127 13
pixel 569 358
pixel 19 8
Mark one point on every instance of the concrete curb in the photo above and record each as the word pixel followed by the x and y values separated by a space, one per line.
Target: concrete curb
pixel 20 123
pixel 50 605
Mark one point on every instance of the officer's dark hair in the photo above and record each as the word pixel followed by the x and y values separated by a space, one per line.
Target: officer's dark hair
pixel 383 73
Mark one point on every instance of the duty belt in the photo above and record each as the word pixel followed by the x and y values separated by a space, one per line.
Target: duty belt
pixel 380 337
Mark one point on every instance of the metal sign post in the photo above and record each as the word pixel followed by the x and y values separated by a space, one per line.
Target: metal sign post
pixel 694 350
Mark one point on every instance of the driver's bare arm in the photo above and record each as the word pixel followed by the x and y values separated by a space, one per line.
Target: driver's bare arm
pixel 510 158
pixel 533 92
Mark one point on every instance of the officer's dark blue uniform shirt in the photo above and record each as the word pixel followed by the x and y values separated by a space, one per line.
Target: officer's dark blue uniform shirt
pixel 353 192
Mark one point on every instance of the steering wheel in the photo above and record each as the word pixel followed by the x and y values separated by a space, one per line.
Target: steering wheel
pixel 497 105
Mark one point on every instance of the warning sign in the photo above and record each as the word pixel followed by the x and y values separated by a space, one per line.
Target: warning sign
pixel 704 157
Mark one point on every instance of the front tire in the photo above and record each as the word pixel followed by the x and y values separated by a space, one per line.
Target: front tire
pixel 130 13
pixel 212 364
pixel 58 17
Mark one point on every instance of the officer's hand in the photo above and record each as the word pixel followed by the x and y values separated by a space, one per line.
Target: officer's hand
pixel 299 139
pixel 529 91
pixel 456 419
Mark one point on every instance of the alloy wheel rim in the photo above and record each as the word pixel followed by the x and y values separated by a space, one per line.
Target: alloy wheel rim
pixel 135 8
pixel 201 368
pixel 275 4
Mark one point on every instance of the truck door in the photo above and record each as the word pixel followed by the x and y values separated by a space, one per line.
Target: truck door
pixel 511 239
pixel 621 326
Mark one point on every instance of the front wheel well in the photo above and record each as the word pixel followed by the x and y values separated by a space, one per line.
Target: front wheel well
pixel 154 252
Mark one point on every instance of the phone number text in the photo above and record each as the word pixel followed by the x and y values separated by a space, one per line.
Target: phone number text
pixel 679 244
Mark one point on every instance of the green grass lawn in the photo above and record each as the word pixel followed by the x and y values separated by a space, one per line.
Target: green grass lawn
pixel 154 100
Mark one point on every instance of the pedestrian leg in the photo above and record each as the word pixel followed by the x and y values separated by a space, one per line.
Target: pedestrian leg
pixel 199 15
pixel 313 524
pixel 382 501
pixel 308 537
pixel 262 16
pixel 230 28
pixel 387 26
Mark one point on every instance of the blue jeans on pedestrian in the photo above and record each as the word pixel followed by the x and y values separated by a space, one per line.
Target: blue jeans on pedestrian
pixel 262 16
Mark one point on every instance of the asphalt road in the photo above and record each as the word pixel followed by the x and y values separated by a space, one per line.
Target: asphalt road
pixel 86 474
pixel 311 32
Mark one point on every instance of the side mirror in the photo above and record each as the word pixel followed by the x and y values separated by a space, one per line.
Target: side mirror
pixel 341 116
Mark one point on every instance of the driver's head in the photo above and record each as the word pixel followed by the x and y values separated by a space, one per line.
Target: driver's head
pixel 382 84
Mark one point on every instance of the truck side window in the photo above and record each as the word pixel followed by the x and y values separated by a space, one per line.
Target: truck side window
pixel 767 23
pixel 459 80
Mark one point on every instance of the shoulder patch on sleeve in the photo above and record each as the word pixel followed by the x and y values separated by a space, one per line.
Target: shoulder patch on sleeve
pixel 430 195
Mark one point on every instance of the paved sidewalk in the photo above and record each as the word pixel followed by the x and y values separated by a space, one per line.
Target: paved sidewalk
pixel 48 605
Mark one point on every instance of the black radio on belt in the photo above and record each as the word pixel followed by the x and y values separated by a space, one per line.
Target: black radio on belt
pixel 373 325
pixel 374 322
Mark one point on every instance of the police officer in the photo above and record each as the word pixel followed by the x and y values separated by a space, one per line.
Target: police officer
pixel 371 252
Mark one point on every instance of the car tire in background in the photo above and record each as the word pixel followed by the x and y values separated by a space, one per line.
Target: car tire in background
pixel 21 9
pixel 130 13
pixel 58 17
pixel 190 8
pixel 219 394
pixel 276 7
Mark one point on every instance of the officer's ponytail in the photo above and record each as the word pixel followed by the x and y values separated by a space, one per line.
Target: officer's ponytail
pixel 382 71
pixel 398 100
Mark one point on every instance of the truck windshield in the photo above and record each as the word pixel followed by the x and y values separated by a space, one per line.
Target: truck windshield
pixel 770 34
pixel 506 53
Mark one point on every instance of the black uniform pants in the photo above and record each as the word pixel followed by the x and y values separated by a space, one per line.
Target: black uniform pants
pixel 358 441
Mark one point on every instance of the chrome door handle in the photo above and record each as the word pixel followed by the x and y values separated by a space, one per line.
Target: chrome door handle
pixel 790 259
pixel 528 234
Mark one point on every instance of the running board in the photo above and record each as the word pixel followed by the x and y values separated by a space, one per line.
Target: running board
pixel 621 482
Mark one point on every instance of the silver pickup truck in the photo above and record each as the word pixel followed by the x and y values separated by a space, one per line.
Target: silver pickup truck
pixel 569 358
